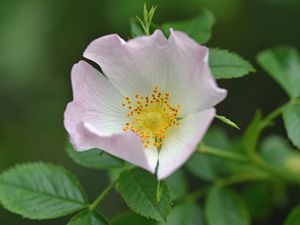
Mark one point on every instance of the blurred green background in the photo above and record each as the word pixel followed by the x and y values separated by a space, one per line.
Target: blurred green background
pixel 40 40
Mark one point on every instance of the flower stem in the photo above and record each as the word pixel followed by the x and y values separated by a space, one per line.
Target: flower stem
pixel 255 160
pixel 277 112
pixel 102 195
pixel 221 153
pixel 230 180
pixel 243 177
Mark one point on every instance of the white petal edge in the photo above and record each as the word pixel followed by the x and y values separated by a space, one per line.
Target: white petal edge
pixel 182 141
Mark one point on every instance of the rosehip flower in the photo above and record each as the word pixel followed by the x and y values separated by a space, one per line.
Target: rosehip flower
pixel 151 104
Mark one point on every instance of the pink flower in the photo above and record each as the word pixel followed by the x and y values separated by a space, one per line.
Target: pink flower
pixel 152 106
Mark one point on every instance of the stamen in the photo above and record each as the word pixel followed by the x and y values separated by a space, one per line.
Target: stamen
pixel 151 117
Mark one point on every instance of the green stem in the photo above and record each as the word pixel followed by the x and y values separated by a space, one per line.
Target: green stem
pixel 275 171
pixel 243 177
pixel 222 153
pixel 277 112
pixel 255 160
pixel 230 180
pixel 102 195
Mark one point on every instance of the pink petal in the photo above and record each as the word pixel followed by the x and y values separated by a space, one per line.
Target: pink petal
pixel 95 100
pixel 182 141
pixel 131 66
pixel 126 146
pixel 95 119
pixel 178 66
pixel 193 59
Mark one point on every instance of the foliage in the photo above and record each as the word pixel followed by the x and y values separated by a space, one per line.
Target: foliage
pixel 225 208
pixel 93 158
pixel 41 191
pixel 227 65
pixel 139 189
pixel 199 28
pixel 265 165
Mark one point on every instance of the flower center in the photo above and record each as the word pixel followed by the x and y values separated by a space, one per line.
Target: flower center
pixel 150 117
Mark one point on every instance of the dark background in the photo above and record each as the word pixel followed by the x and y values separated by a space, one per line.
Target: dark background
pixel 40 40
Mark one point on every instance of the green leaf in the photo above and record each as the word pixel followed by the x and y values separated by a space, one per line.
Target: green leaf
pixel 185 214
pixel 94 158
pixel 138 189
pixel 291 117
pixel 177 184
pixel 285 160
pixel 227 121
pixel 257 197
pixel 252 133
pixel 41 191
pixel 294 217
pixel 227 65
pixel 135 28
pixel 151 14
pixel 198 28
pixel 159 191
pixel 88 218
pixel 275 150
pixel 225 207
pixel 145 14
pixel 283 65
pixel 209 167
pixel 130 218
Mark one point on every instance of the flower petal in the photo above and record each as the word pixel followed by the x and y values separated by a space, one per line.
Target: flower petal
pixel 200 84
pixel 133 66
pixel 126 146
pixel 95 118
pixel 95 100
pixel 178 66
pixel 182 141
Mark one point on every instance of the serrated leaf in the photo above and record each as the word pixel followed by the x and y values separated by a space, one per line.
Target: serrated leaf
pixel 88 218
pixel 185 214
pixel 283 65
pixel 291 117
pixel 225 207
pixel 227 121
pixel 41 191
pixel 209 167
pixel 199 28
pixel 294 217
pixel 177 184
pixel 130 218
pixel 227 65
pixel 94 158
pixel 138 189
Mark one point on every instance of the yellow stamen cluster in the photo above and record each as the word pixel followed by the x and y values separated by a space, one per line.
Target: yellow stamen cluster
pixel 150 117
